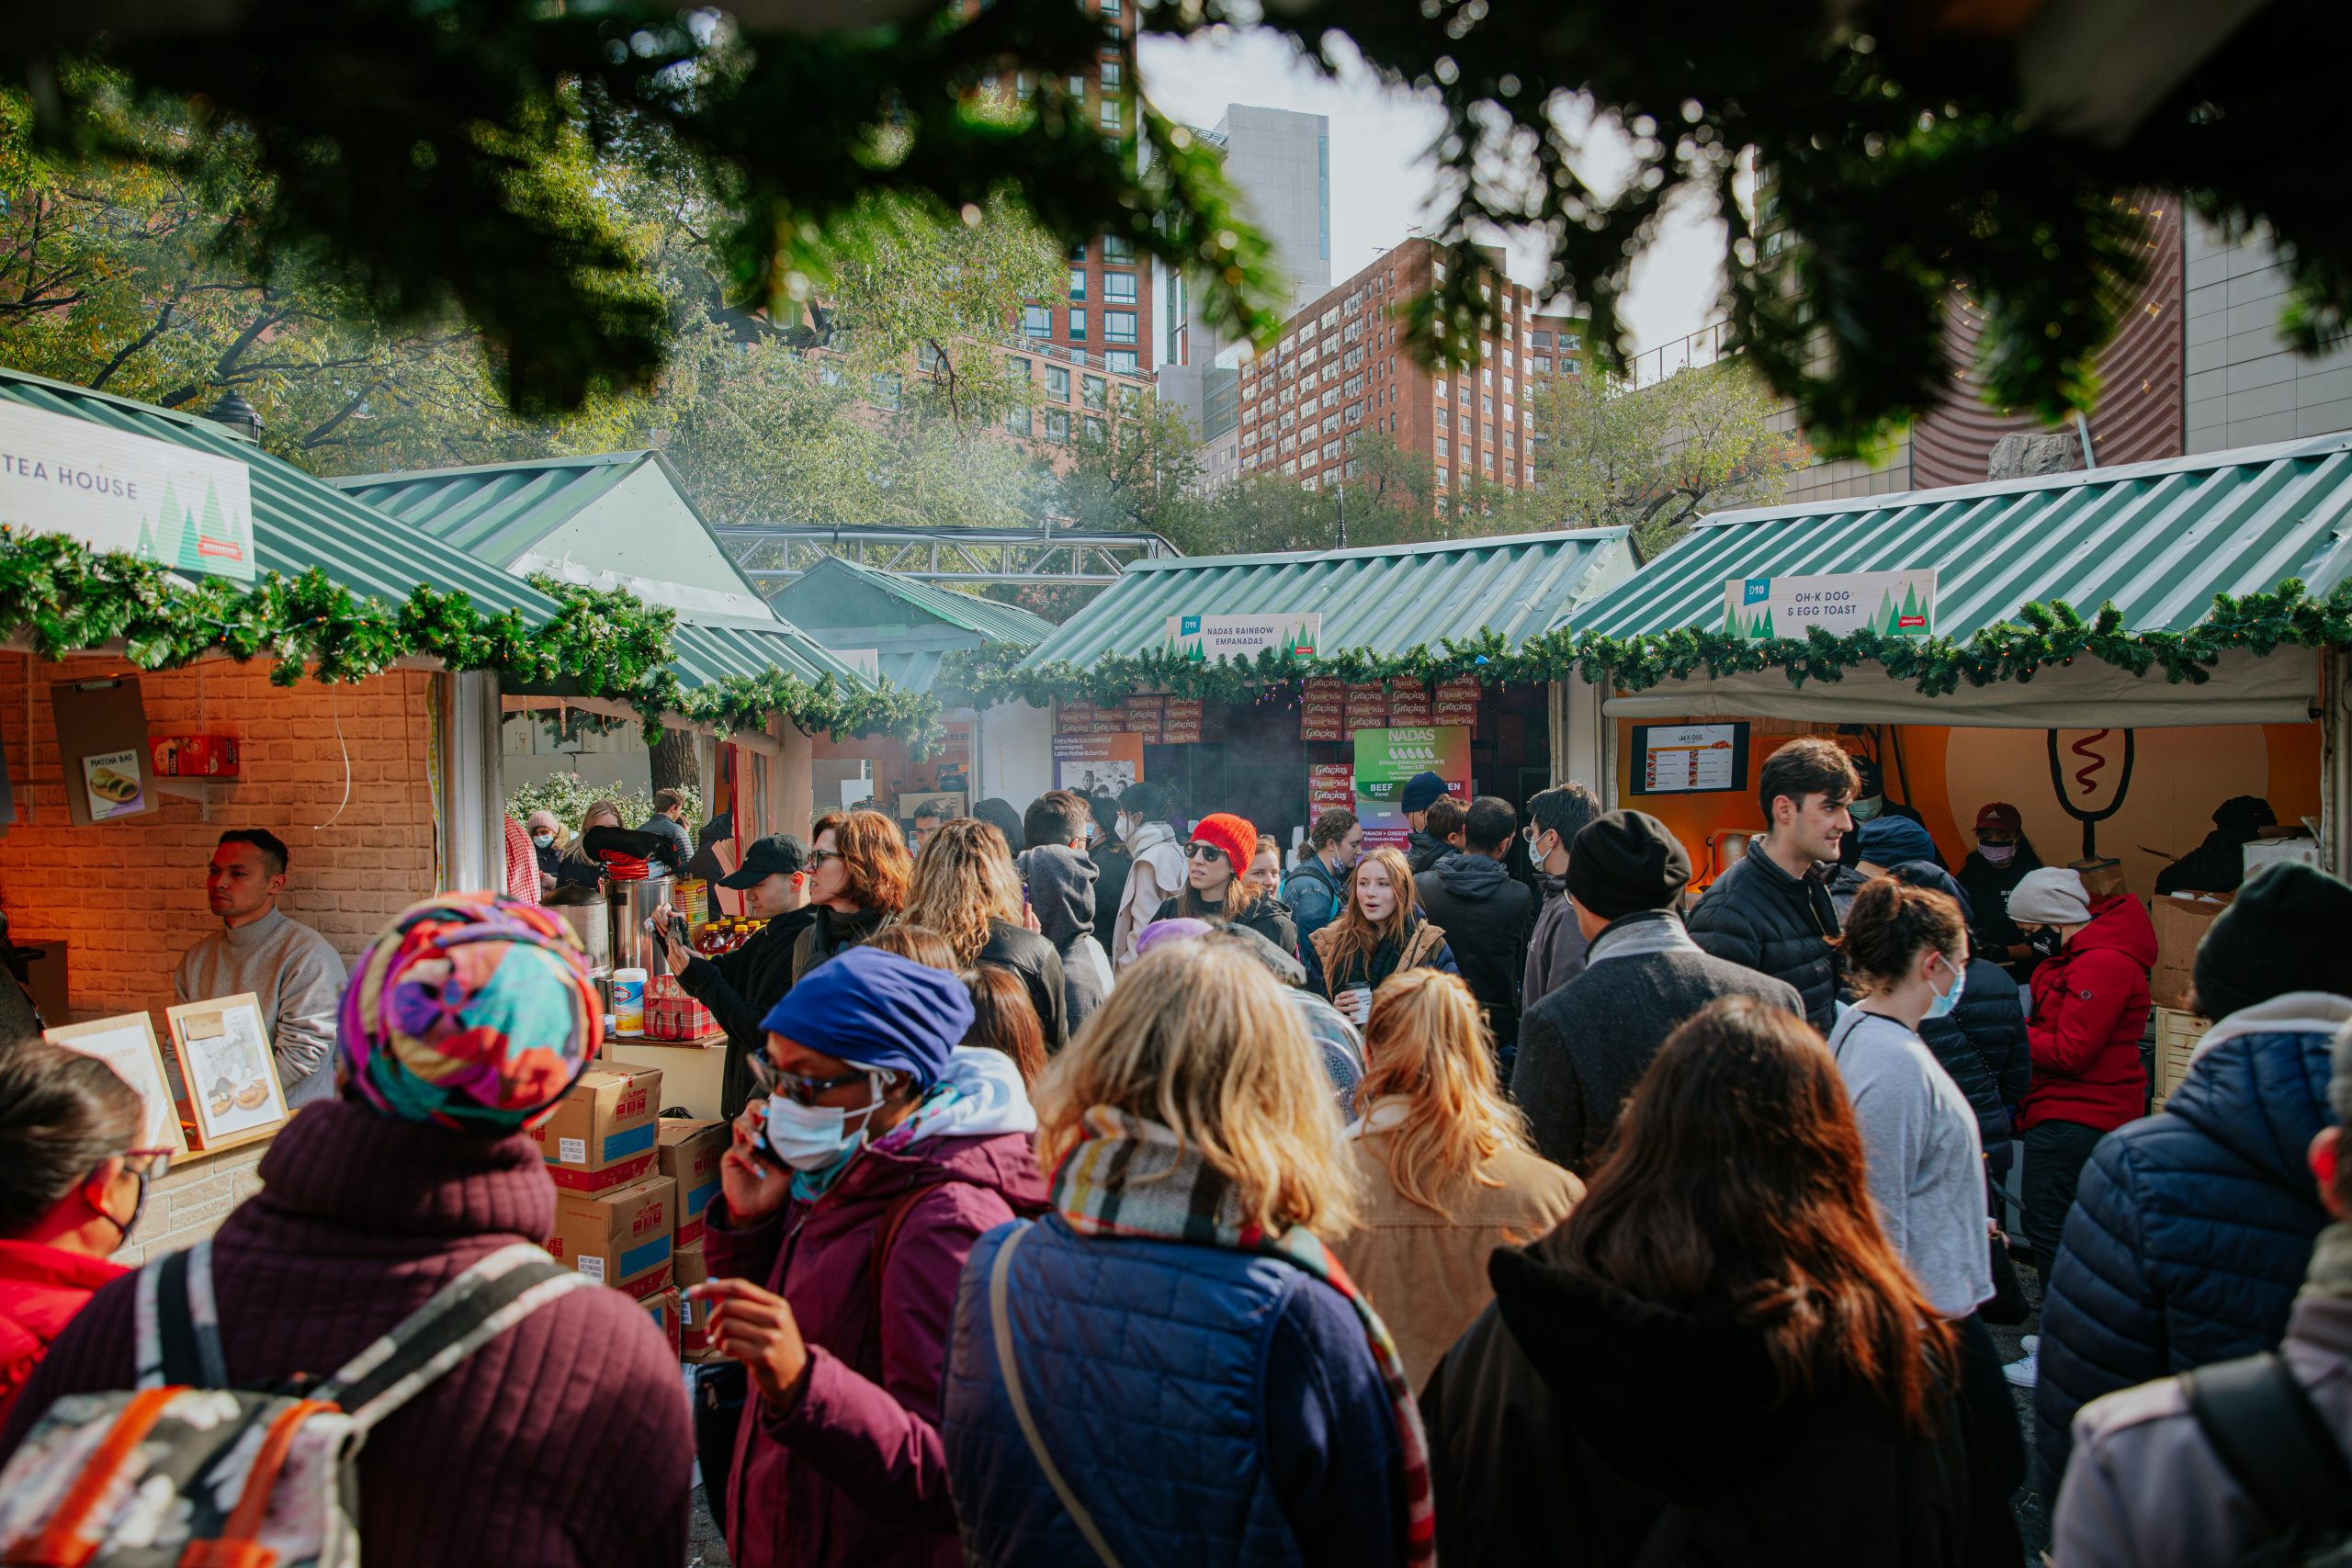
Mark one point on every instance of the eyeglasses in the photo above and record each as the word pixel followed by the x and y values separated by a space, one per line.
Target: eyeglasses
pixel 158 1164
pixel 1204 852
pixel 792 1086
pixel 819 857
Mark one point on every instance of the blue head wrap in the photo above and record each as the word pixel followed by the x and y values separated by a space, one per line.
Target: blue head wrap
pixel 876 1009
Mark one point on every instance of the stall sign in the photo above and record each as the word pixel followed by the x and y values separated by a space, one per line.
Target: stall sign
pixel 1206 638
pixel 1891 604
pixel 1408 704
pixel 1331 786
pixel 1321 705
pixel 164 502
pixel 1182 724
pixel 1385 759
pixel 1073 719
pixel 1090 764
pixel 1455 701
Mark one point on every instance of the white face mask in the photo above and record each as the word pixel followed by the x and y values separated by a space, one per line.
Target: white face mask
pixel 1998 855
pixel 817 1137
pixel 1127 825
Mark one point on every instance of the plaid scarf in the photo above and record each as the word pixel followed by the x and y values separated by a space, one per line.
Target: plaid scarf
pixel 1130 1177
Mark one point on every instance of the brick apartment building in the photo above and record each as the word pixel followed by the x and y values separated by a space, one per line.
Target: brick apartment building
pixel 1339 369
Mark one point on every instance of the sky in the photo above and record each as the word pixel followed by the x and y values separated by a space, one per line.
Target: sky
pixel 1380 180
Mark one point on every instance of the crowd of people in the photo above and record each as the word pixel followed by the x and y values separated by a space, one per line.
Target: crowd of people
pixel 1105 1190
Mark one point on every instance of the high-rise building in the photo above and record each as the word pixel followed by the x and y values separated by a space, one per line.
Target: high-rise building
pixel 1340 368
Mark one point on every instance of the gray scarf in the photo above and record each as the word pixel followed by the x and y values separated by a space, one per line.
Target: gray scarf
pixel 1647 931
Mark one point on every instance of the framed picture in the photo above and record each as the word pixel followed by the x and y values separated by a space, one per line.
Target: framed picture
pixel 127 1045
pixel 226 1061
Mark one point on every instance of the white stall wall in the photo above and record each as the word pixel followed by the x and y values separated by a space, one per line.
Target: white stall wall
pixel 1016 763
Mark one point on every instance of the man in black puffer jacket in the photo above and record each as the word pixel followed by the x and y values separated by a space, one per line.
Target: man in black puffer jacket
pixel 1485 914
pixel 1982 1042
pixel 1772 912
pixel 2192 1229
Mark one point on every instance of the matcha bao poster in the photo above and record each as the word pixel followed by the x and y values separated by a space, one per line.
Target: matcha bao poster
pixel 180 507
pixel 1386 758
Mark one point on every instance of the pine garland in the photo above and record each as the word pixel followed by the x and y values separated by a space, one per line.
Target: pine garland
pixel 65 598
pixel 2043 636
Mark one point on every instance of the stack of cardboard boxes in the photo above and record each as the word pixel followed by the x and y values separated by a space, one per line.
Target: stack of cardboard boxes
pixel 690 1153
pixel 2181 919
pixel 616 1216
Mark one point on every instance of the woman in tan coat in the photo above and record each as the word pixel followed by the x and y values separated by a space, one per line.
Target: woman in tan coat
pixel 1445 1165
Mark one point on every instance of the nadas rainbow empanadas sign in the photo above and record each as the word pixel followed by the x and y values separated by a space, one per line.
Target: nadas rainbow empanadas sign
pixel 180 507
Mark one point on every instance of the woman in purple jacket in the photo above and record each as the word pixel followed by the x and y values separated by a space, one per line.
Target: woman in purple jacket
pixel 854 1193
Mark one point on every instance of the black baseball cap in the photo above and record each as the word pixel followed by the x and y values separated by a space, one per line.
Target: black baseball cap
pixel 778 856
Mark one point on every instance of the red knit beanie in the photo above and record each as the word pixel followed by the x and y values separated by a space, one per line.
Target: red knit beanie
pixel 1237 838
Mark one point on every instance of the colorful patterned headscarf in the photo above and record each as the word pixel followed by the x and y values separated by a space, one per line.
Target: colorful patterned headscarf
pixel 469 1011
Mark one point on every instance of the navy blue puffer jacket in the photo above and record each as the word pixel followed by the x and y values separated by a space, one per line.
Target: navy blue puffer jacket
pixel 2191 1229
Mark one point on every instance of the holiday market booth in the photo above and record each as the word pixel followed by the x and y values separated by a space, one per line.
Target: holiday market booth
pixel 1278 686
pixel 905 630
pixel 2114 653
pixel 257 650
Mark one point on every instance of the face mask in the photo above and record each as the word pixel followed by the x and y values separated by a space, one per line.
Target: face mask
pixel 1863 811
pixel 543 839
pixel 1126 825
pixel 817 1137
pixel 2045 941
pixel 1998 855
pixel 1944 1004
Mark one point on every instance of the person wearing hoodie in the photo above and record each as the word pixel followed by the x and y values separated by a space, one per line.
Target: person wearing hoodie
pixel 850 1199
pixel 858 868
pixel 1485 914
pixel 1584 1047
pixel 564 1440
pixel 1316 890
pixel 2149 1487
pixel 966 886
pixel 1982 1041
pixel 1556 947
pixel 1060 880
pixel 1155 862
pixel 2090 1004
pixel 1649 1384
pixel 2188 1237
pixel 1171 1367
pixel 2002 858
pixel 1440 835
pixel 1423 849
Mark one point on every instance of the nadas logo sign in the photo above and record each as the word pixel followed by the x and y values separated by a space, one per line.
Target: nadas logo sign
pixel 180 508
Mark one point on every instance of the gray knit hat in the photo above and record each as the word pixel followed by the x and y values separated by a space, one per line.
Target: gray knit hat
pixel 2049 895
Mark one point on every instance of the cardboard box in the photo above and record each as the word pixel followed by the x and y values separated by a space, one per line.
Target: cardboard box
pixel 2101 878
pixel 2177 1036
pixel 694 1327
pixel 602 1135
pixel 2180 921
pixel 662 1308
pixel 194 756
pixel 620 1239
pixel 688 1153
pixel 2269 851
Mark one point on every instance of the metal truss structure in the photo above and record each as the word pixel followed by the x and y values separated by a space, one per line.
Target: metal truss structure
pixel 1041 555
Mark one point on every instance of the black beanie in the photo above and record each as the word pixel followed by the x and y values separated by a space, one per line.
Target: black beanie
pixel 2285 931
pixel 1622 861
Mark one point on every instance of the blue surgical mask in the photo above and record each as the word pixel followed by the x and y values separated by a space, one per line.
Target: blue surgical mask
pixel 1863 811
pixel 543 839
pixel 1946 1001
pixel 819 1137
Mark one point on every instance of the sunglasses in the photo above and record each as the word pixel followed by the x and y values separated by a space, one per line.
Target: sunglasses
pixel 819 857
pixel 1204 852
pixel 792 1086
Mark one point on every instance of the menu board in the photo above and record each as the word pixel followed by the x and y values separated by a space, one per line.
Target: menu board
pixel 1690 759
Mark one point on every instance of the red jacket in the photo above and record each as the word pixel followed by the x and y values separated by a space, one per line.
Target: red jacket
pixel 564 1442
pixel 2090 1007
pixel 41 1289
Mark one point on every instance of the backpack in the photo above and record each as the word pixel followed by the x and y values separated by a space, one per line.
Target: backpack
pixel 189 1470
pixel 2281 1452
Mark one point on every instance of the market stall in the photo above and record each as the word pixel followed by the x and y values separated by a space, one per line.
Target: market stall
pixel 1277 685
pixel 1930 636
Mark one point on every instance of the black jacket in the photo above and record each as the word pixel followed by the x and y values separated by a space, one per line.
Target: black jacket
pixel 1982 1046
pixel 1032 959
pixel 1583 1047
pixel 1112 863
pixel 1423 851
pixel 1486 915
pixel 830 932
pixel 1270 917
pixel 739 989
pixel 1759 916
pixel 1573 1417
pixel 1988 887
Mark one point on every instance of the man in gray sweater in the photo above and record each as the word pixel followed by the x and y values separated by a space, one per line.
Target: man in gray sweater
pixel 1583 1048
pixel 295 971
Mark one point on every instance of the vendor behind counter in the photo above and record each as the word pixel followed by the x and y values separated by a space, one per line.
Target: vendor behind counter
pixel 293 971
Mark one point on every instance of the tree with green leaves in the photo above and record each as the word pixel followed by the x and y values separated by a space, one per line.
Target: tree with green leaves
pixel 1652 459
pixel 1143 471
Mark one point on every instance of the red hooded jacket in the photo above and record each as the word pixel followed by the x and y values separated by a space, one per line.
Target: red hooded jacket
pixel 40 1290
pixel 2090 1007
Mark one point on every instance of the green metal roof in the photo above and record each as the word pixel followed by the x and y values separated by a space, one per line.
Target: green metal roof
pixel 2159 539
pixel 496 511
pixel 708 653
pixel 991 619
pixel 1385 601
pixel 300 520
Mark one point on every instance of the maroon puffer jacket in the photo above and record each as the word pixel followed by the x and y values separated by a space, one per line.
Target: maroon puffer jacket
pixel 564 1441
pixel 854 1473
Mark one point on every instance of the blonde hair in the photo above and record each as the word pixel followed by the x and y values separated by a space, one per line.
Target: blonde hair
pixel 1352 936
pixel 1199 1038
pixel 1426 1041
pixel 962 879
